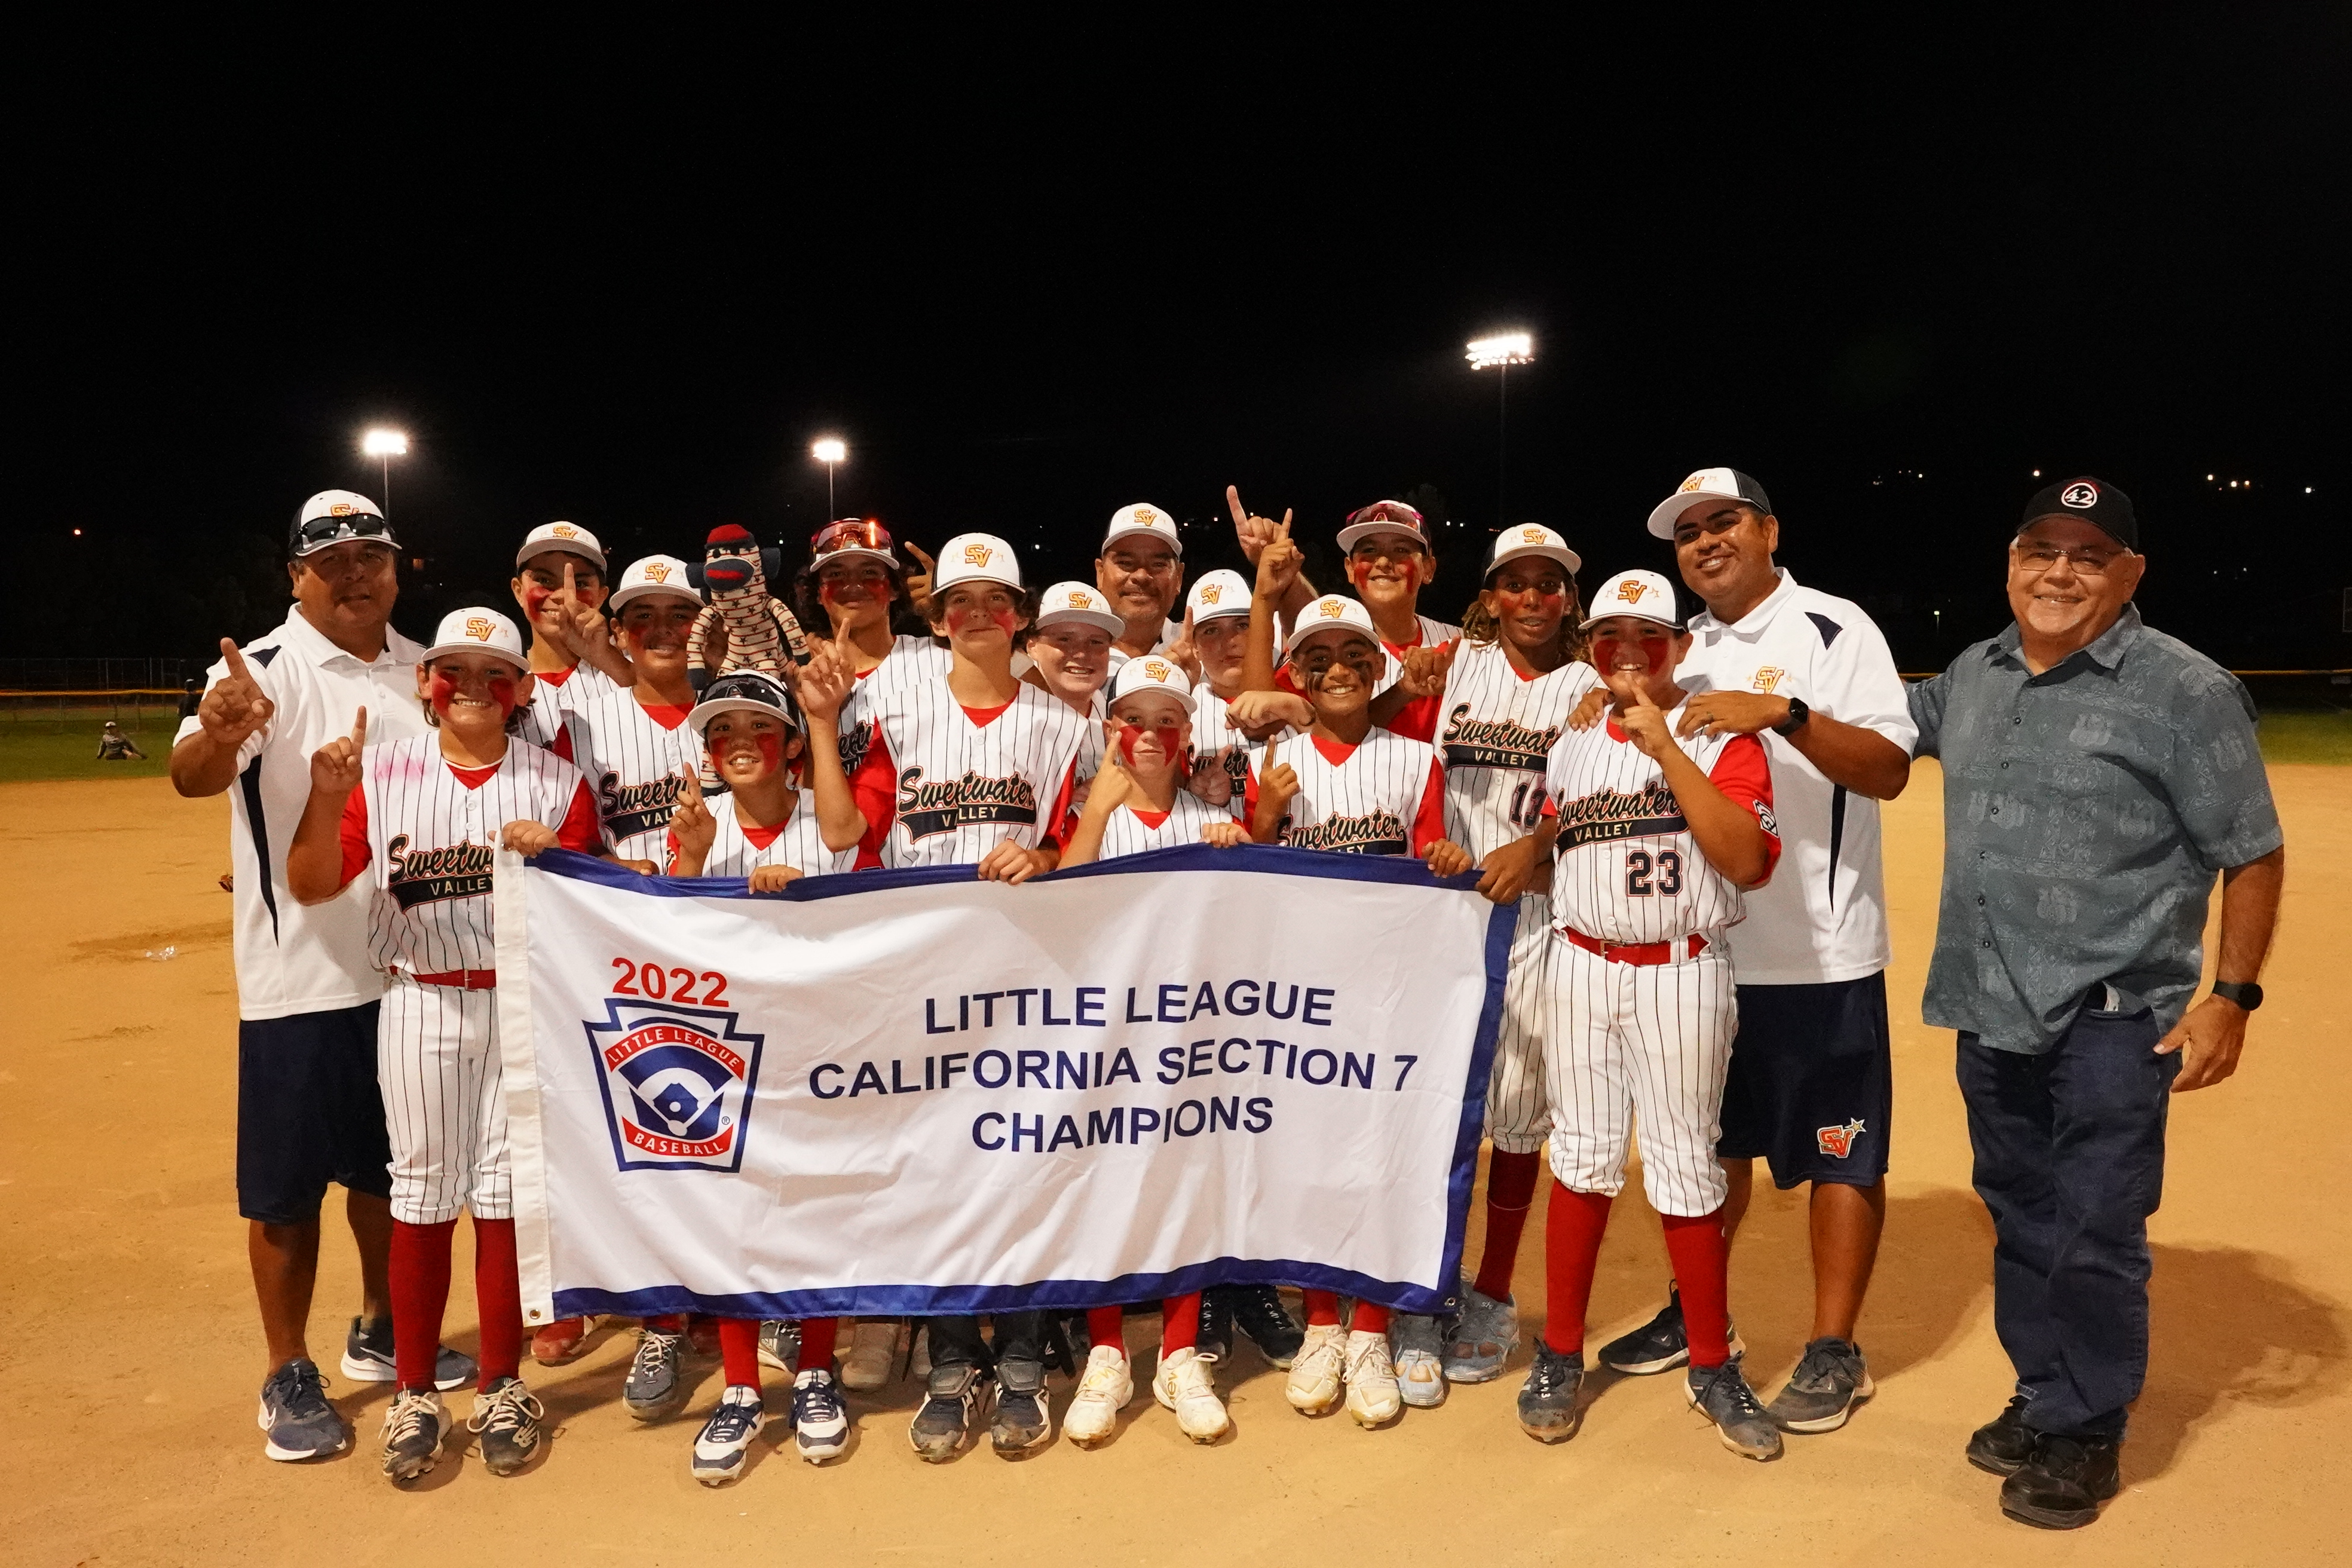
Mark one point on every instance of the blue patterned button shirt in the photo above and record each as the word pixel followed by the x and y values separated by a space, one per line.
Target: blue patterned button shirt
pixel 2086 812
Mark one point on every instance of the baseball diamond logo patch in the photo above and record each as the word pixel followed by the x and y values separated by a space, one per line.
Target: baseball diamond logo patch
pixel 677 1084
pixel 1838 1142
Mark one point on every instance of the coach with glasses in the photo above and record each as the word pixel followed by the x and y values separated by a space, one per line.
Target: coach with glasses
pixel 2097 775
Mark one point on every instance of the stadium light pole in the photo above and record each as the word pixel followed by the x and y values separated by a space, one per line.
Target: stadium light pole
pixel 1498 353
pixel 384 444
pixel 830 450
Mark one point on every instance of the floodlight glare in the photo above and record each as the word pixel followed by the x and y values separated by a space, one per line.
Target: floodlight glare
pixel 383 443
pixel 829 450
pixel 1502 349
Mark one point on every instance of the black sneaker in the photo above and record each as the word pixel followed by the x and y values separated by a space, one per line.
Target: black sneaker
pixel 954 1395
pixel 1022 1421
pixel 1214 1337
pixel 654 1390
pixel 368 1358
pixel 295 1414
pixel 1548 1411
pixel 1258 1310
pixel 507 1424
pixel 1722 1394
pixel 1659 1345
pixel 1829 1382
pixel 413 1427
pixel 2063 1485
pixel 2003 1443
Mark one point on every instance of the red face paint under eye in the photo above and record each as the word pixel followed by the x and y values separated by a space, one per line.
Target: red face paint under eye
pixel 533 597
pixel 441 690
pixel 502 692
pixel 771 749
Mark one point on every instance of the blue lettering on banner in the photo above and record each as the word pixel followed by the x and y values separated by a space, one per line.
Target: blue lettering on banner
pixel 983 1119
pixel 1313 993
pixel 1106 1129
pixel 1236 1008
pixel 1206 1002
pixel 1097 993
pixel 1004 1069
pixel 866 1077
pixel 1167 1016
pixel 1035 1133
pixel 817 1073
pixel 1171 1064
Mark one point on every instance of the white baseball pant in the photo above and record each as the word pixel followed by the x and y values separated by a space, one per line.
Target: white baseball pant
pixel 444 1102
pixel 1518 1105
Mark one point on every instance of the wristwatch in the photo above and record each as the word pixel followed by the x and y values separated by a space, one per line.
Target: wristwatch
pixel 2246 993
pixel 1797 714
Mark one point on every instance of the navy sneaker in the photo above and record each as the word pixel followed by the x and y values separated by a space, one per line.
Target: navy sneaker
pixel 295 1414
pixel 1548 1411
pixel 1722 1394
pixel 415 1424
pixel 654 1391
pixel 368 1358
pixel 953 1396
pixel 507 1424
pixel 1258 1310
pixel 1024 1420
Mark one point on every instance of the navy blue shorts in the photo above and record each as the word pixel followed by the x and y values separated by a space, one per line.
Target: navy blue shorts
pixel 307 1113
pixel 1811 1088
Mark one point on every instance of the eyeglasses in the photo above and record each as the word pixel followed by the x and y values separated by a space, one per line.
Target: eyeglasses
pixel 1157 566
pixel 2038 559
pixel 321 532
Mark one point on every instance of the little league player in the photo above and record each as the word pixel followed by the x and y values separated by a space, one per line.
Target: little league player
pixel 1507 689
pixel 559 582
pixel 1069 650
pixel 1657 836
pixel 1389 563
pixel 1349 786
pixel 421 817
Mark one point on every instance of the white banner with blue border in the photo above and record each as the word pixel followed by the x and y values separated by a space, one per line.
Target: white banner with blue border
pixel 917 1092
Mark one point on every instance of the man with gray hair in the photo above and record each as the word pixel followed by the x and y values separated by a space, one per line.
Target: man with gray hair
pixel 2097 775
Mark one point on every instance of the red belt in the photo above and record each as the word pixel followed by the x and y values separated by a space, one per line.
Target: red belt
pixel 462 979
pixel 1632 951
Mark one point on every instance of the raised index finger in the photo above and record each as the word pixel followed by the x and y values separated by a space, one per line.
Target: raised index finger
pixel 916 550
pixel 236 660
pixel 1283 533
pixel 1233 505
pixel 693 787
pixel 359 729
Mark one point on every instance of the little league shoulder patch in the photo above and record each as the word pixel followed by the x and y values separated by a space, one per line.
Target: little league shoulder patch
pixel 1838 1142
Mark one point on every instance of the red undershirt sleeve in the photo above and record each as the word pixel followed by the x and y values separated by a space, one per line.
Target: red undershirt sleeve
pixel 580 829
pixel 1744 774
pixel 1429 821
pixel 355 836
pixel 1064 814
pixel 874 788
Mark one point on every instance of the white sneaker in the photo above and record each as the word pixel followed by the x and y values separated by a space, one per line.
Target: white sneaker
pixel 1105 1388
pixel 873 1355
pixel 1314 1385
pixel 1183 1385
pixel 1374 1397
pixel 725 1440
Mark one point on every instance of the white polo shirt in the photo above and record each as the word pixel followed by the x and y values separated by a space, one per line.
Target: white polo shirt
pixel 290 959
pixel 1823 916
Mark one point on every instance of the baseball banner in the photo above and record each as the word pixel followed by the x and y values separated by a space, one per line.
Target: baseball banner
pixel 917 1092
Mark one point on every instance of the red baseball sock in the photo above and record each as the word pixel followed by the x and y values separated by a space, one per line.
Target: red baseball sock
pixel 1372 1318
pixel 668 1323
pixel 817 1343
pixel 1573 1224
pixel 1108 1326
pixel 1180 1322
pixel 738 1347
pixel 420 1294
pixel 1695 1244
pixel 1322 1308
pixel 1510 1192
pixel 497 1298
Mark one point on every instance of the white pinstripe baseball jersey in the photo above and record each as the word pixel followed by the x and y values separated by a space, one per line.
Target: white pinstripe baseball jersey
pixel 424 833
pixel 951 789
pixel 1628 870
pixel 1494 735
pixel 1126 832
pixel 1213 732
pixel 911 661
pixel 1385 796
pixel 799 843
pixel 553 695
pixel 636 766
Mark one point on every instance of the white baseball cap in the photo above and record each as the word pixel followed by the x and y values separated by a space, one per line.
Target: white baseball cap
pixel 568 537
pixel 1150 672
pixel 852 538
pixel 1643 593
pixel 1707 484
pixel 1382 517
pixel 654 575
pixel 331 517
pixel 1217 595
pixel 1130 520
pixel 1332 612
pixel 976 558
pixel 477 630
pixel 1077 602
pixel 745 691
pixel 1533 539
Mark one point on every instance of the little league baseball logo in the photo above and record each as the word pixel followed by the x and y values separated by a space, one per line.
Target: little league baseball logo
pixel 677 1082
pixel 1838 1142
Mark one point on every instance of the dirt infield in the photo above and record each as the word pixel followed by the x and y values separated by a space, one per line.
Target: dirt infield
pixel 130 1382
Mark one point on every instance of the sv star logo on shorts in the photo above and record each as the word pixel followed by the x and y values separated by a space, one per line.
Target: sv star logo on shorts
pixel 677 1084
pixel 1838 1142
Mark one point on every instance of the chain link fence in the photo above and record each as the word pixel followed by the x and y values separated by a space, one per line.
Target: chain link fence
pixel 57 694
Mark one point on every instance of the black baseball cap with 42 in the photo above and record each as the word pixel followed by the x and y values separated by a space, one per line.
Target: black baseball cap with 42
pixel 2094 501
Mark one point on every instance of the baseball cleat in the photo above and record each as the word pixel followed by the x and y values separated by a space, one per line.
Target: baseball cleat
pixel 724 1443
pixel 655 1391
pixel 1258 1311
pixel 2063 1485
pixel 1315 1375
pixel 1023 1418
pixel 819 1422
pixel 1486 1336
pixel 1373 1398
pixel 872 1355
pixel 1829 1382
pixel 414 1426
pixel 368 1358
pixel 562 1340
pixel 2005 1442
pixel 1105 1388
pixel 299 1421
pixel 507 1424
pixel 954 1396
pixel 780 1345
pixel 1420 1374
pixel 1722 1394
pixel 1182 1385
pixel 1548 1407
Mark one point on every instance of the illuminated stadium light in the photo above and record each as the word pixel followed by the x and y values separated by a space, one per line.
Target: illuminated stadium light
pixel 383 443
pixel 829 450
pixel 1504 349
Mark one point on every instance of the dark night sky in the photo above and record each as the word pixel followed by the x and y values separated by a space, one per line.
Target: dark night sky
pixel 626 282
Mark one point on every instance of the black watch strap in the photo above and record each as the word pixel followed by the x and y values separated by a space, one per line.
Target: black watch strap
pixel 2246 993
pixel 1797 714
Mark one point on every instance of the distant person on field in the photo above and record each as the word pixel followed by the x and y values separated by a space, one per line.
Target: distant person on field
pixel 2097 775
pixel 114 746
pixel 192 697
pixel 309 1112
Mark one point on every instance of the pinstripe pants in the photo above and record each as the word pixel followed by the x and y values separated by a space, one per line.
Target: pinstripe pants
pixel 1518 1103
pixel 437 1051
pixel 1639 1049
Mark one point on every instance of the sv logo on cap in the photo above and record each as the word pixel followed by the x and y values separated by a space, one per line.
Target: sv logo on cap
pixel 2082 493
pixel 561 531
pixel 1146 516
pixel 976 555
pixel 1694 481
pixel 1633 592
pixel 1332 610
pixel 1531 536
pixel 1078 598
pixel 477 628
pixel 657 572
pixel 1156 670
pixel 1212 591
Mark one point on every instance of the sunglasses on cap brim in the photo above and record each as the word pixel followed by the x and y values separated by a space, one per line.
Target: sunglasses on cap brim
pixel 850 534
pixel 321 532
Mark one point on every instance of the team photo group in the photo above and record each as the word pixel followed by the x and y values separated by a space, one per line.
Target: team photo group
pixel 1663 799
